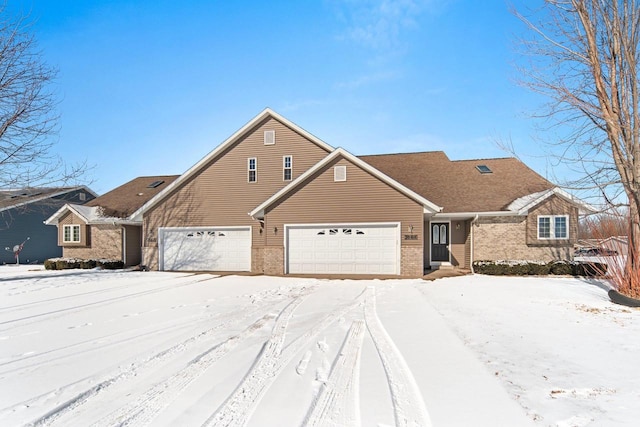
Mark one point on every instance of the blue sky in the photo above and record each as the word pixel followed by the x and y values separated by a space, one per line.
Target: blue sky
pixel 150 87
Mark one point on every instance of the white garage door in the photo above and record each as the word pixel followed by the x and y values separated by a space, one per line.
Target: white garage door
pixel 205 249
pixel 343 249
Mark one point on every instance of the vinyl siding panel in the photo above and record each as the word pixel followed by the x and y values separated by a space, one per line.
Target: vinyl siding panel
pixel 133 245
pixel 361 198
pixel 220 194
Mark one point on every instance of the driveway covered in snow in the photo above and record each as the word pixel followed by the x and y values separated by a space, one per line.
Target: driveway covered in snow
pixel 149 348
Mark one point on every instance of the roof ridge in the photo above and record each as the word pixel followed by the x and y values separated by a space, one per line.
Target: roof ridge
pixel 399 154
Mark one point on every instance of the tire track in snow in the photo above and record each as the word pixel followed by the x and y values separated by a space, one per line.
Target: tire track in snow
pixel 408 403
pixel 338 402
pixel 237 409
pixel 35 318
pixel 132 369
pixel 144 409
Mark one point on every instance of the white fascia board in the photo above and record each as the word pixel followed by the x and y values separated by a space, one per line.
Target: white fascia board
pixel 258 212
pixel 470 215
pixel 582 206
pixel 267 112
pixel 53 219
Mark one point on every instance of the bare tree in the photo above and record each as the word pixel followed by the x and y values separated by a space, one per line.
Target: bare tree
pixel 28 117
pixel 585 59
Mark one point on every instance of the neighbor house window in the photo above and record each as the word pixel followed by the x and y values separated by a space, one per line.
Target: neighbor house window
pixel 287 167
pixel 71 234
pixel 553 227
pixel 253 169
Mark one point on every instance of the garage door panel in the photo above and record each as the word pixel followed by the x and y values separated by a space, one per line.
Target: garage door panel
pixel 357 249
pixel 206 249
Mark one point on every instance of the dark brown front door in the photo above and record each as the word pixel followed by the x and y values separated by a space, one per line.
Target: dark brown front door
pixel 440 241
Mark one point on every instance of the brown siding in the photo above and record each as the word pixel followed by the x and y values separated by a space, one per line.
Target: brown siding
pixel 71 219
pixel 220 193
pixel 458 243
pixel 133 245
pixel 361 198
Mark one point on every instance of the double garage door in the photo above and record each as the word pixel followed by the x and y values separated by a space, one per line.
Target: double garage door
pixel 343 249
pixel 310 249
pixel 205 249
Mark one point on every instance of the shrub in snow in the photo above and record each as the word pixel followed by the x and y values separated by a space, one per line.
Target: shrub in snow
pixel 70 263
pixel 538 268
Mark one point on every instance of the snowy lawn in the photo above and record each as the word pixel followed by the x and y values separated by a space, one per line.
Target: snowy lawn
pixel 149 348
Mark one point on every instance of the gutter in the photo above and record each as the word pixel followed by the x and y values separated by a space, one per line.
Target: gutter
pixel 473 221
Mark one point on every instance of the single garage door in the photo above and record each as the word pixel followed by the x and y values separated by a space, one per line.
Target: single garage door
pixel 343 249
pixel 205 249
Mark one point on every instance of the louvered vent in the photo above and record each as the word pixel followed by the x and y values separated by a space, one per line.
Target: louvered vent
pixel 269 137
pixel 340 173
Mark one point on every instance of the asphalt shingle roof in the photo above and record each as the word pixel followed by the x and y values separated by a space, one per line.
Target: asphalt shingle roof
pixel 124 200
pixel 457 185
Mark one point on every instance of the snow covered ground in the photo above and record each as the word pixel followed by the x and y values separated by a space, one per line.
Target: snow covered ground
pixel 109 348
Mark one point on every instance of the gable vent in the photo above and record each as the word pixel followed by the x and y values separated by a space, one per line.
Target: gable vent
pixel 483 169
pixel 269 137
pixel 340 173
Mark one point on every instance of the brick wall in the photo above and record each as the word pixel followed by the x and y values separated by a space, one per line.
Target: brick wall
pixel 257 260
pixel 505 238
pixel 106 242
pixel 411 263
pixel 273 260
pixel 150 257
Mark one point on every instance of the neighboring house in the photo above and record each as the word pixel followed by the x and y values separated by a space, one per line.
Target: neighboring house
pixel 22 213
pixel 611 245
pixel 275 199
pixel 103 228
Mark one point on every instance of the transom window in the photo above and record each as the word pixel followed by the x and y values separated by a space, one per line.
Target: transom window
pixel 287 167
pixel 252 168
pixel 71 233
pixel 553 227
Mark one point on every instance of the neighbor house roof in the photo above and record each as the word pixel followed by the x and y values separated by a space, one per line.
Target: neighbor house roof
pixel 119 203
pixel 461 185
pixel 14 198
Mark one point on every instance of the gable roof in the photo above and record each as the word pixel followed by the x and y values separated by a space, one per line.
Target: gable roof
pixel 458 186
pixel 258 212
pixel 10 199
pixel 244 130
pixel 118 204
pixel 523 204
pixel 124 200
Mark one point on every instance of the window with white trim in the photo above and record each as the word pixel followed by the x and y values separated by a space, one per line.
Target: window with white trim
pixel 71 233
pixel 553 227
pixel 252 169
pixel 287 168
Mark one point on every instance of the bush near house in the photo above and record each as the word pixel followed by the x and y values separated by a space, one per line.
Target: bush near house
pixel 537 268
pixel 71 263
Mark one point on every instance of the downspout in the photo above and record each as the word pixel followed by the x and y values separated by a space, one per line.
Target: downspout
pixel 473 221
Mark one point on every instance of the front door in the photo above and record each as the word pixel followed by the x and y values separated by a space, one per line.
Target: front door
pixel 440 241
